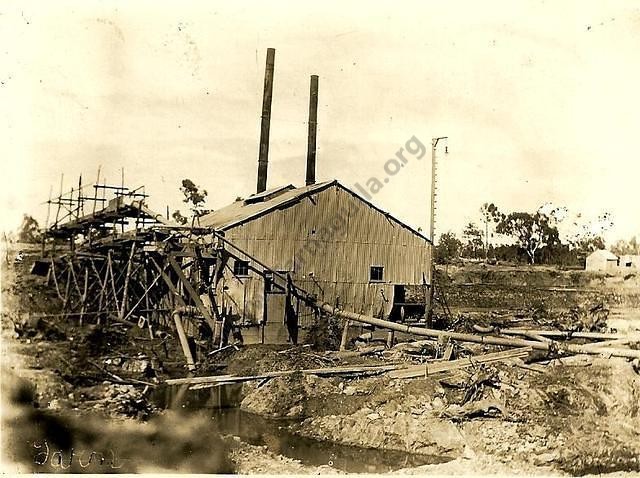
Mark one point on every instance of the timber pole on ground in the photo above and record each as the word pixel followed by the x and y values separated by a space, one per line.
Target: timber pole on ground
pixel 481 339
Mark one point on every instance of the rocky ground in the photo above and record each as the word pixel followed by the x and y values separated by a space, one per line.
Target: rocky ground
pixel 579 416
pixel 90 389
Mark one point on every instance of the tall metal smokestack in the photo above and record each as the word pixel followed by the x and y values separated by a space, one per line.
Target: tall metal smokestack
pixel 263 157
pixel 313 129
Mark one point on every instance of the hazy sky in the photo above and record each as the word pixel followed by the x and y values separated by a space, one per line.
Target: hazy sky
pixel 539 100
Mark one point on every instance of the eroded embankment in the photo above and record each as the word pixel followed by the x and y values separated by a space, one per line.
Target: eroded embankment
pixel 580 415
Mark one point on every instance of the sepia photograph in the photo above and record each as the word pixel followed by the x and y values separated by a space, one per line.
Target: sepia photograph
pixel 337 237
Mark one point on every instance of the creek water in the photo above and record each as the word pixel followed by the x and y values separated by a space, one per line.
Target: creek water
pixel 221 404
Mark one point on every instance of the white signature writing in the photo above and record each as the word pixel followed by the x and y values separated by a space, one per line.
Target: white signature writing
pixel 64 460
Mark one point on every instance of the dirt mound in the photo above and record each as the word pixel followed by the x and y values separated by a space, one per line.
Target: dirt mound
pixel 290 396
pixel 581 416
pixel 379 413
pixel 399 431
pixel 257 359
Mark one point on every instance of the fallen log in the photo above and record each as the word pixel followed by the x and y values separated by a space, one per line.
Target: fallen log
pixel 487 339
pixel 562 334
pixel 424 370
pixel 609 343
pixel 538 337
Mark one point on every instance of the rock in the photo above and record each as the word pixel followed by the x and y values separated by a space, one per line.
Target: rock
pixel 437 403
pixel 350 390
pixel 468 453
pixel 373 416
pixel 544 459
pixel 295 411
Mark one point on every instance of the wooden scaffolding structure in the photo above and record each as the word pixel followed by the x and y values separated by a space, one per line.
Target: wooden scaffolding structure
pixel 122 262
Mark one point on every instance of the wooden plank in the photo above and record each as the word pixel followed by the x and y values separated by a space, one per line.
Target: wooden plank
pixel 84 294
pixel 345 332
pixel 113 281
pixel 345 370
pixel 127 277
pixel 67 291
pixel 145 296
pixel 448 352
pixel 433 368
pixel 55 279
pixel 170 284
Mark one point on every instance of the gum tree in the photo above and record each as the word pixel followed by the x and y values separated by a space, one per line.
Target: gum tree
pixel 195 197
pixel 531 232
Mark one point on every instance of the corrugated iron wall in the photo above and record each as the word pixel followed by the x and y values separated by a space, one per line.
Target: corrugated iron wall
pixel 328 242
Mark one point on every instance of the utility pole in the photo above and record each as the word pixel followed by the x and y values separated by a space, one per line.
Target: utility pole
pixel 429 299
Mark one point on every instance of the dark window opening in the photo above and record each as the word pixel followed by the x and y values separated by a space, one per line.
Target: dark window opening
pixel 274 284
pixel 376 274
pixel 241 268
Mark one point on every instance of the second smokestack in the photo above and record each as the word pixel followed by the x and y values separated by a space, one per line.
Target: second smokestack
pixel 313 129
pixel 263 155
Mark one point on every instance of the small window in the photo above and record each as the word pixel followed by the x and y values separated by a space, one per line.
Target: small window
pixel 241 268
pixel 376 274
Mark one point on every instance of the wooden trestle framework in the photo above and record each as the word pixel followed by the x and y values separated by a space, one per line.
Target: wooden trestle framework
pixel 124 263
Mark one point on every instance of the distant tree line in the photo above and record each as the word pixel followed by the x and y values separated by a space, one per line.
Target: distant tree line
pixel 630 247
pixel 528 237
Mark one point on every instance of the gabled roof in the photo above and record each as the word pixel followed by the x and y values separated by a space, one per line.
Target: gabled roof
pixel 610 256
pixel 242 211
pixel 245 210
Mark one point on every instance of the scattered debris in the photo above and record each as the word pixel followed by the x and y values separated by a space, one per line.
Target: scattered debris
pixel 482 408
pixel 431 368
pixel 35 327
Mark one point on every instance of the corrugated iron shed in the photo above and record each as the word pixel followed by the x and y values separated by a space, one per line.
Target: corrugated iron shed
pixel 257 205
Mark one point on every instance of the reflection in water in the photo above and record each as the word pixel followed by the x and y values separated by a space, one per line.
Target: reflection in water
pixel 276 436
